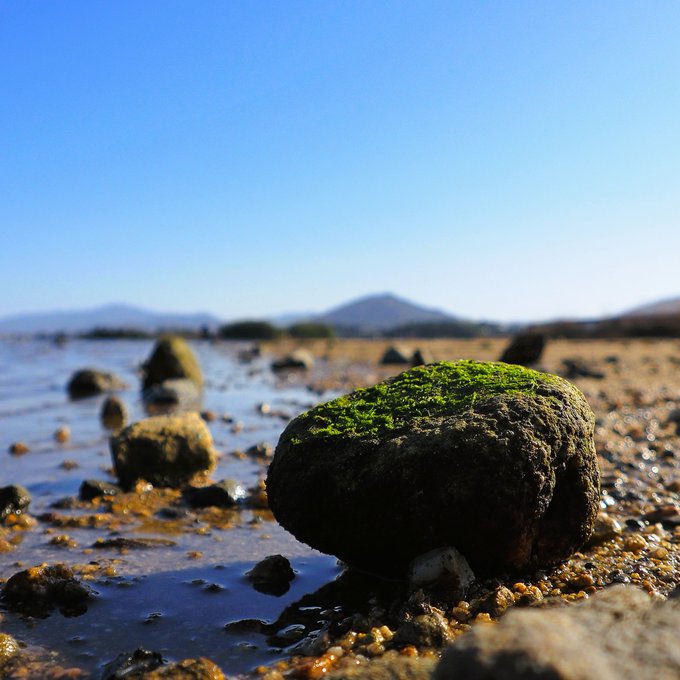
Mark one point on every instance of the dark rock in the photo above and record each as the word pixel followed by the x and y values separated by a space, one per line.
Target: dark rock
pixel 90 382
pixel 38 590
pixel 263 450
pixel 113 414
pixel 524 349
pixel 187 669
pixel 177 394
pixel 421 357
pixel 123 543
pixel 300 359
pixel 577 368
pixel 171 359
pixel 272 575
pixel 495 602
pixel 225 494
pixel 14 500
pixel 164 450
pixel 396 355
pixel 93 488
pixel 128 665
pixel 619 634
pixel 495 460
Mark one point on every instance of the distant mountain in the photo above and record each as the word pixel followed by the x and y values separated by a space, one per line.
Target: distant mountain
pixel 109 316
pixel 667 307
pixel 377 313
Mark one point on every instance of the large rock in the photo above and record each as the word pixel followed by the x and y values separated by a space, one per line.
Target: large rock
pixel 171 358
pixel 620 634
pixel 164 450
pixel 89 382
pixel 495 460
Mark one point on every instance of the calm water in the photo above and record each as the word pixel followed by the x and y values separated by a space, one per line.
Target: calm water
pixel 161 599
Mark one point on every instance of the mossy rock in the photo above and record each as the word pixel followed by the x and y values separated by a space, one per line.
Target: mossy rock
pixel 171 358
pixel 494 459
pixel 167 451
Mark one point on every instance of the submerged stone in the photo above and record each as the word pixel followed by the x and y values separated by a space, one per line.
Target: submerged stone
pixel 167 451
pixel 493 459
pixel 171 358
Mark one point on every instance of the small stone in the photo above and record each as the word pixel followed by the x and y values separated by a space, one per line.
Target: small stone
pixel 89 382
pixel 426 630
pixel 634 543
pixel 444 569
pixel 40 589
pixel 209 416
pixel 494 602
pixel 62 434
pixel 174 394
pixel 225 494
pixel 18 448
pixel 93 488
pixel 606 528
pixel 263 450
pixel 132 664
pixel 272 575
pixel 166 451
pixel 113 414
pixel 300 359
pixel 14 500
pixel 188 669
pixel 396 355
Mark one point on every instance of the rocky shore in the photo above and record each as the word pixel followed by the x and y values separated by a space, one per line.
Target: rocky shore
pixel 601 578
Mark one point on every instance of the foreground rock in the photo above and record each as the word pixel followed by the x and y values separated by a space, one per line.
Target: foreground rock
pixel 524 349
pixel 171 358
pixel 497 461
pixel 14 500
pixel 620 634
pixel 40 589
pixel 165 450
pixel 90 382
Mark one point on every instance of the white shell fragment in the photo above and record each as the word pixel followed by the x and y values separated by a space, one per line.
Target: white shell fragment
pixel 441 564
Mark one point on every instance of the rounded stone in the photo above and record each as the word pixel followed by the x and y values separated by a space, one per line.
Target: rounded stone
pixel 493 459
pixel 89 382
pixel 164 450
pixel 171 358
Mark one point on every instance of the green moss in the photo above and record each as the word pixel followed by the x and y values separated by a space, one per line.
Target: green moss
pixel 431 391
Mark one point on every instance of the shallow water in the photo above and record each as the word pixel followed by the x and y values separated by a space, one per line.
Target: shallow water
pixel 165 599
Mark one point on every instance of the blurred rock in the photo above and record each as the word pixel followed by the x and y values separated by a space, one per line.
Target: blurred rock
pixel 524 349
pixel 164 450
pixel 578 368
pixel 171 359
pixel 300 359
pixel 90 382
pixel 132 665
pixel 421 357
pixel 272 575
pixel 93 488
pixel 113 414
pixel 14 500
pixel 173 394
pixel 396 354
pixel 225 494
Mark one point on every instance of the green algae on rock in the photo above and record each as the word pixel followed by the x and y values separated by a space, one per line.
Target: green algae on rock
pixel 171 358
pixel 494 459
pixel 164 450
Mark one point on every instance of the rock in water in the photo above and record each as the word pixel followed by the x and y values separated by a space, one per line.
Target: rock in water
pixel 171 358
pixel 524 349
pixel 113 413
pixel 619 634
pixel 89 382
pixel 14 500
pixel 495 460
pixel 164 450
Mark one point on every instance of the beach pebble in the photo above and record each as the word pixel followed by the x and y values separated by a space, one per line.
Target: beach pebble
pixel 113 414
pixel 62 434
pixel 164 450
pixel 443 567
pixel 18 448
pixel 496 460
pixel 300 359
pixel 225 494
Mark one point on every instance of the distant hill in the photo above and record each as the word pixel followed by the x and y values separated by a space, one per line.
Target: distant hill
pixel 377 313
pixel 667 307
pixel 109 316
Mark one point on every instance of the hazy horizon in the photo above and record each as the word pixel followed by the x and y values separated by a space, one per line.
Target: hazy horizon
pixel 514 162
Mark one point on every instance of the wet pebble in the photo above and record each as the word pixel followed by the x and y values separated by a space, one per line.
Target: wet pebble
pixel 272 575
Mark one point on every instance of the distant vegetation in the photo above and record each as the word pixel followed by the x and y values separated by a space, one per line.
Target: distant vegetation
pixel 250 330
pixel 446 329
pixel 653 326
pixel 116 334
pixel 311 330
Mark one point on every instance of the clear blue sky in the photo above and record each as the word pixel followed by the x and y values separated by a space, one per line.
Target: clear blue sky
pixel 506 160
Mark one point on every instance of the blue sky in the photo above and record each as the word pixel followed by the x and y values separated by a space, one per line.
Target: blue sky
pixel 505 160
